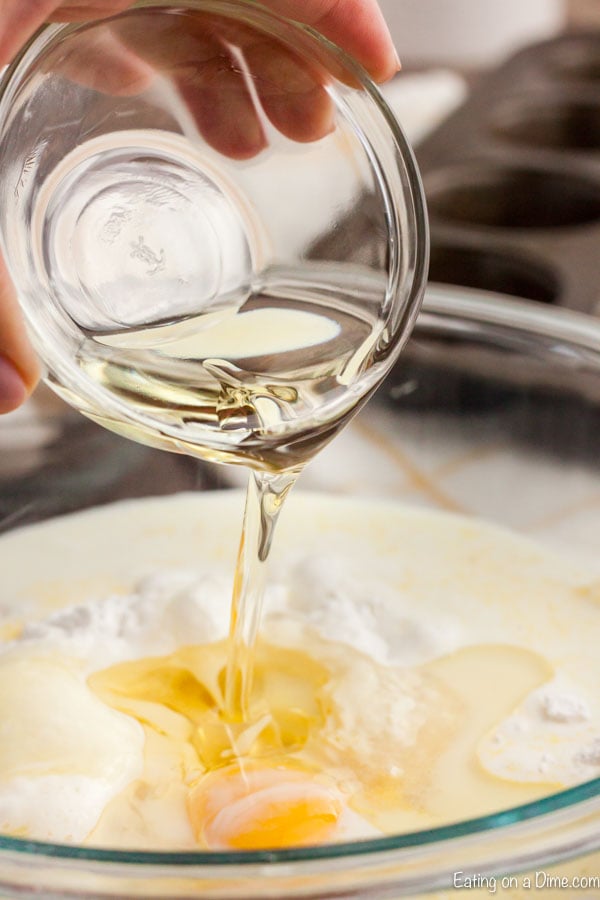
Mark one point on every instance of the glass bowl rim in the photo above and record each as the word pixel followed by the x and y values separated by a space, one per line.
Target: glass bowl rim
pixel 541 809
pixel 487 310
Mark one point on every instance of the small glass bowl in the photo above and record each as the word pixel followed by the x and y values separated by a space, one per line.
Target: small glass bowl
pixel 189 164
pixel 494 411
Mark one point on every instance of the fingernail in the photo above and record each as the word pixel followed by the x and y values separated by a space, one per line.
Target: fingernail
pixel 13 391
pixel 398 60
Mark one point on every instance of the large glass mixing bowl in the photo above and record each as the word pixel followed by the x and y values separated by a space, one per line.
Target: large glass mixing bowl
pixel 492 411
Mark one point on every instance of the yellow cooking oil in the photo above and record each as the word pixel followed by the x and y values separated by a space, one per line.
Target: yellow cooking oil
pixel 304 752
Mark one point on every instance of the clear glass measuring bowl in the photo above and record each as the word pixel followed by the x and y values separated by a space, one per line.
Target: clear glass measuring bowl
pixel 215 225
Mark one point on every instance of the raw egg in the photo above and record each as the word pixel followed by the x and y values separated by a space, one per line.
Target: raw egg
pixel 256 805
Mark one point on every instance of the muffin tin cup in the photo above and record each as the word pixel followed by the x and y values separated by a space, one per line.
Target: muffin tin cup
pixel 513 179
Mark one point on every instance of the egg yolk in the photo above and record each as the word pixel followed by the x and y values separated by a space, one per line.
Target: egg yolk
pixel 257 806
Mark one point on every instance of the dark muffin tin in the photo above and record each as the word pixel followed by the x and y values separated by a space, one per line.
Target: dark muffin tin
pixel 513 179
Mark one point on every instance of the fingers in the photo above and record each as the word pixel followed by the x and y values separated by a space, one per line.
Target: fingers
pixel 20 19
pixel 291 92
pixel 217 96
pixel 200 62
pixel 99 61
pixel 19 369
pixel 93 9
pixel 196 54
pixel 358 26
pixel 219 66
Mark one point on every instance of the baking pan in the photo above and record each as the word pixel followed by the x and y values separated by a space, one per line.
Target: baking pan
pixel 512 179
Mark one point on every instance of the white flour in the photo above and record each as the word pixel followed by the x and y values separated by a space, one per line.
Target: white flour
pixel 359 575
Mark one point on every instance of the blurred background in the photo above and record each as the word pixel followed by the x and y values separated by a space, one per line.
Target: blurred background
pixel 473 33
pixel 501 103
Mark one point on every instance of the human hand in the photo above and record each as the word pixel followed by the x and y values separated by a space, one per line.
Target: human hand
pixel 292 96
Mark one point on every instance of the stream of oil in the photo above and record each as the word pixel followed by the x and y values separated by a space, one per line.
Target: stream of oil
pixel 265 387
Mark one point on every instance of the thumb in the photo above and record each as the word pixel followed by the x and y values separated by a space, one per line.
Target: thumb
pixel 19 368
